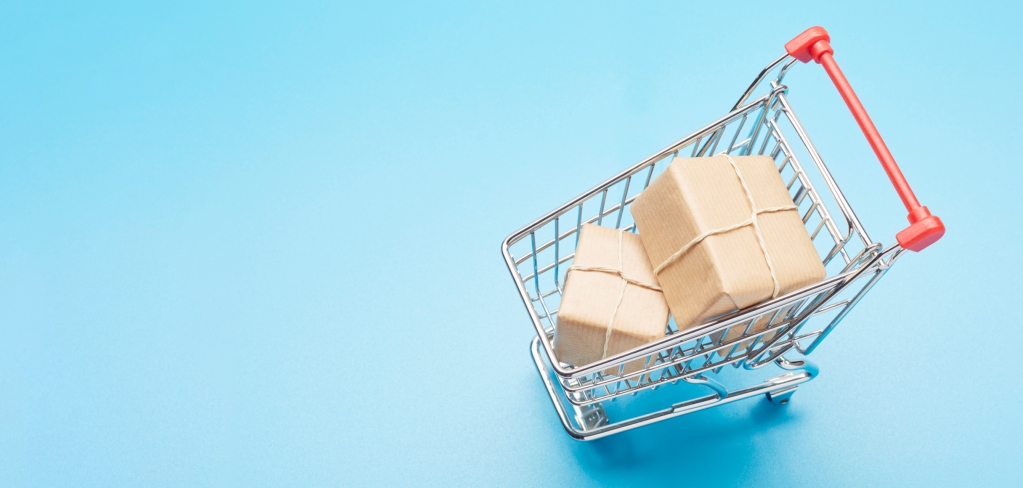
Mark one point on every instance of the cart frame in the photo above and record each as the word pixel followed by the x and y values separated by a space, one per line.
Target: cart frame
pixel 538 254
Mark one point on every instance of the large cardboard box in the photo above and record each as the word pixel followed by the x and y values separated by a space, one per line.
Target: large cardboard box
pixel 759 324
pixel 723 234
pixel 611 303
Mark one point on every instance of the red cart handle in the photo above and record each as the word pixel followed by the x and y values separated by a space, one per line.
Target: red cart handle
pixel 924 228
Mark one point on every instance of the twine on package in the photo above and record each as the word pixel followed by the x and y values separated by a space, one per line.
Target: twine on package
pixel 625 282
pixel 750 221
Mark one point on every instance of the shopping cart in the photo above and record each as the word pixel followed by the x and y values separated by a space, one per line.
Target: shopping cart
pixel 761 122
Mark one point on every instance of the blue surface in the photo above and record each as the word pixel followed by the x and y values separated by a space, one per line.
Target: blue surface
pixel 258 244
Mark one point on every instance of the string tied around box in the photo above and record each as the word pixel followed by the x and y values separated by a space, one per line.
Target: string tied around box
pixel 750 221
pixel 626 280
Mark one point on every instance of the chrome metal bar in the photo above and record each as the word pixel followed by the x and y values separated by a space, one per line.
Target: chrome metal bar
pixel 649 174
pixel 711 327
pixel 778 383
pixel 829 307
pixel 848 308
pixel 688 370
pixel 756 81
pixel 797 167
pixel 600 213
pixel 738 130
pixel 621 206
pixel 557 240
pixel 677 145
pixel 843 204
pixel 543 247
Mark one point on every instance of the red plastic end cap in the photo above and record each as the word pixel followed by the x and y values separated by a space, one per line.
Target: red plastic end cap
pixel 802 46
pixel 925 229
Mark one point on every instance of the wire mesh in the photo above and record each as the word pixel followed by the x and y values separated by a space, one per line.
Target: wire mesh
pixel 539 254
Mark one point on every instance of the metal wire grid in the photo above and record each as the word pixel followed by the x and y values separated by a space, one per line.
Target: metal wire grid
pixel 736 343
pixel 580 405
pixel 750 339
pixel 542 263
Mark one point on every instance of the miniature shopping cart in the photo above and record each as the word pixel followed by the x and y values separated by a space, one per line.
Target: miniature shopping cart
pixel 723 360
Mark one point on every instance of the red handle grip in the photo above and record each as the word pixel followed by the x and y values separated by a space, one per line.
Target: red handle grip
pixel 924 229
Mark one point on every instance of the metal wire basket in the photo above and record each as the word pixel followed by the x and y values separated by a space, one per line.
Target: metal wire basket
pixel 762 122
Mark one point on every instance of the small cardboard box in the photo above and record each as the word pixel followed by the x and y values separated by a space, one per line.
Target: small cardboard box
pixel 611 303
pixel 723 235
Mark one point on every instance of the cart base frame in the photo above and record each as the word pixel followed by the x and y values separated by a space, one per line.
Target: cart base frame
pixel 593 421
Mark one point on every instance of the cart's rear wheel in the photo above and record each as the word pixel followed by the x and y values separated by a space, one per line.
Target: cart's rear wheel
pixel 590 417
pixel 781 397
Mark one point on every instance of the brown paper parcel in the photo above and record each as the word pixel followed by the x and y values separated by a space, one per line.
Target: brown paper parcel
pixel 611 303
pixel 724 235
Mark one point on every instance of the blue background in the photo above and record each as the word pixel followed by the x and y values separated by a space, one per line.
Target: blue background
pixel 257 244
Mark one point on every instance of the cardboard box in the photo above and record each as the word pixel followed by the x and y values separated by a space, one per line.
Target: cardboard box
pixel 597 297
pixel 696 221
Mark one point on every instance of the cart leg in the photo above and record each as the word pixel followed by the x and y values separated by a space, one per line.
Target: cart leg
pixel 590 417
pixel 701 380
pixel 781 397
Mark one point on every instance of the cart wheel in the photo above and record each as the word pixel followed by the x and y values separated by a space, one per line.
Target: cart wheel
pixel 590 417
pixel 781 397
